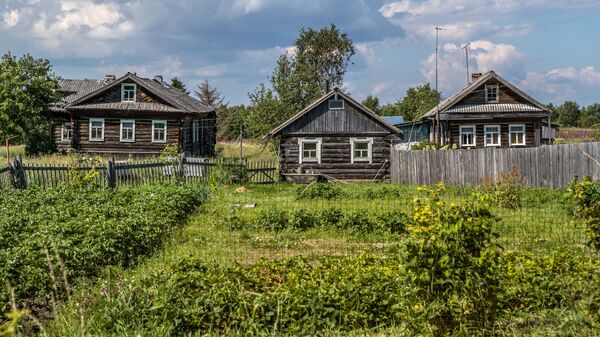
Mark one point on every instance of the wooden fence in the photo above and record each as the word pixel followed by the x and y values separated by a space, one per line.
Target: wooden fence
pixel 551 166
pixel 118 174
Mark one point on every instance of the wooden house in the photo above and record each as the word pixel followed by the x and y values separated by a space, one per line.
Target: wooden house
pixel 489 112
pixel 335 137
pixel 132 115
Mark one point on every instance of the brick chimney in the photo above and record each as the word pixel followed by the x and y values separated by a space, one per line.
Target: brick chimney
pixel 158 78
pixel 108 79
pixel 475 76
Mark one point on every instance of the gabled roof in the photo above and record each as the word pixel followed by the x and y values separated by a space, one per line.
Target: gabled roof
pixel 324 98
pixel 450 105
pixel 178 101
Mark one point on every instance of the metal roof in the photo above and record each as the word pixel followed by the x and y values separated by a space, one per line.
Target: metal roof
pixel 492 107
pixel 394 120
pixel 75 89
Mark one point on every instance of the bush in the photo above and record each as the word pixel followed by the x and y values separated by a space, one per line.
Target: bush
pixel 507 191
pixel 586 196
pixel 77 231
pixel 326 191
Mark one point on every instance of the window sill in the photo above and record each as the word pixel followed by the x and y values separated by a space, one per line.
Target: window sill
pixel 96 140
pixel 127 141
pixel 159 141
pixel 494 145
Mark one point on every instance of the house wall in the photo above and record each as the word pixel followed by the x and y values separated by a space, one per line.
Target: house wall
pixel 114 95
pixel 532 131
pixel 207 136
pixel 336 158
pixel 506 95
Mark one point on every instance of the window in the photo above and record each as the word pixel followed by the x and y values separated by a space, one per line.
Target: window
pixel 467 135
pixel 362 149
pixel 336 104
pixel 492 135
pixel 127 130
pixel 195 131
pixel 310 150
pixel 66 132
pixel 159 131
pixel 516 134
pixel 491 93
pixel 128 92
pixel 96 129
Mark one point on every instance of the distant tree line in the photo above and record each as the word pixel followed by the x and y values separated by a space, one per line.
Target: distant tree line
pixel 571 114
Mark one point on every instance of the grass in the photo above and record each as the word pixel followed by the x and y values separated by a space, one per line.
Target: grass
pixel 251 149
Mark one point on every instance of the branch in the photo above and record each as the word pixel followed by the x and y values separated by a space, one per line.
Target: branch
pixel 588 155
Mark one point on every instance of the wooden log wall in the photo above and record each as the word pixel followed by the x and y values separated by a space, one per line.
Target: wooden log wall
pixel 550 166
pixel 530 133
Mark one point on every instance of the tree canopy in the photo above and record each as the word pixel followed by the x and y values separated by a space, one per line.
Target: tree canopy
pixel 372 102
pixel 179 85
pixel 209 95
pixel 417 101
pixel 28 87
pixel 569 114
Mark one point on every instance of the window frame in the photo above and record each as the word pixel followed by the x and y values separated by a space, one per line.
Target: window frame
pixel 91 122
pixel 62 132
pixel 301 142
pixel 369 141
pixel 341 108
pixel 123 140
pixel 123 92
pixel 510 132
pixel 157 121
pixel 195 131
pixel 497 93
pixel 460 134
pixel 485 133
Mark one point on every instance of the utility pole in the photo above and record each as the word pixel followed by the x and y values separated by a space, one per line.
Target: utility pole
pixel 241 142
pixel 466 48
pixel 437 113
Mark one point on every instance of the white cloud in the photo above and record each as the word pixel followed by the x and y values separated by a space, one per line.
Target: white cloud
pixel 562 83
pixel 381 87
pixel 11 18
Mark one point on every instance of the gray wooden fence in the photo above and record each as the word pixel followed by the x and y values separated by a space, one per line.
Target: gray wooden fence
pixel 551 166
pixel 118 174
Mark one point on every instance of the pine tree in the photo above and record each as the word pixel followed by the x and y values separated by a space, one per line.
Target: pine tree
pixel 177 84
pixel 210 96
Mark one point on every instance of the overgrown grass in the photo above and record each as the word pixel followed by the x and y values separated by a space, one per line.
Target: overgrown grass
pixel 252 150
pixel 546 278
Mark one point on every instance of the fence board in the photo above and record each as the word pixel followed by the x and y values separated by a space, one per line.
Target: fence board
pixel 546 166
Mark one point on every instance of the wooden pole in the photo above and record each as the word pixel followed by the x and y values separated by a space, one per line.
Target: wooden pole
pixel 8 151
pixel 241 141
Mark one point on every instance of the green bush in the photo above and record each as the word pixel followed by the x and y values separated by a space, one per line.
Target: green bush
pixel 326 191
pixel 77 231
pixel 586 196
pixel 506 192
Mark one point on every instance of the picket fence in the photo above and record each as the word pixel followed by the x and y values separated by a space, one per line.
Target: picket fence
pixel 118 174
pixel 551 166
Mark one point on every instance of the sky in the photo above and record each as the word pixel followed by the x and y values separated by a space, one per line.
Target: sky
pixel 550 49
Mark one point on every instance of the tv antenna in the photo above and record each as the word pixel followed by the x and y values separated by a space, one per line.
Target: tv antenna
pixel 466 48
pixel 437 113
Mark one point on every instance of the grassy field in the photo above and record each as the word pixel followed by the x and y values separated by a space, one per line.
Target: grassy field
pixel 542 227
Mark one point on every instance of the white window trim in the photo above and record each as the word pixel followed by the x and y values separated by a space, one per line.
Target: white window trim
pixel 123 92
pixel 159 121
pixel 460 133
pixel 485 138
pixel 497 93
pixel 301 142
pixel 62 132
pixel 195 130
pixel 90 134
pixel 121 139
pixel 510 126
pixel 341 108
pixel 369 150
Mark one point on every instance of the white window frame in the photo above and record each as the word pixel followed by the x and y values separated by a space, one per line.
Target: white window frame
pixel 156 121
pixel 460 134
pixel 121 139
pixel 485 133
pixel 510 132
pixel 341 108
pixel 497 93
pixel 123 92
pixel 91 121
pixel 369 159
pixel 195 130
pixel 63 139
pixel 301 142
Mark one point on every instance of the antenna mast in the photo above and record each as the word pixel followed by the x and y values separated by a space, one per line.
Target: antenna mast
pixel 437 113
pixel 466 48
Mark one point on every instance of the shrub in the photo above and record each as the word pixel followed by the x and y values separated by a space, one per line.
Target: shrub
pixel 77 231
pixel 326 191
pixel 507 191
pixel 586 196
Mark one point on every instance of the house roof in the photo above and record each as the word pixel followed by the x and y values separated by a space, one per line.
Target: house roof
pixel 324 98
pixel 394 120
pixel 81 91
pixel 450 105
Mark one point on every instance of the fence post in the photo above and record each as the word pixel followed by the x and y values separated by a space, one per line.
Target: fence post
pixel 181 166
pixel 18 173
pixel 110 174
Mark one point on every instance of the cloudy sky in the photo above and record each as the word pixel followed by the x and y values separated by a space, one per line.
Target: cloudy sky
pixel 548 48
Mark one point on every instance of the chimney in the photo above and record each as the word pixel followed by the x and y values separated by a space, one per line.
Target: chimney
pixel 108 79
pixel 158 78
pixel 475 76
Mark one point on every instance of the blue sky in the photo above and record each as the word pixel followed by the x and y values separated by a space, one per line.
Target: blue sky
pixel 548 48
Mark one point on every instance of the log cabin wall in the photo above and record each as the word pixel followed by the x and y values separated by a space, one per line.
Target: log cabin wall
pixel 505 95
pixel 532 136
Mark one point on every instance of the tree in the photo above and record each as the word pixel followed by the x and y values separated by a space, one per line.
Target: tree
pixel 590 116
pixel 28 87
pixel 553 112
pixel 418 101
pixel 177 84
pixel 372 102
pixel 569 114
pixel 390 109
pixel 231 118
pixel 209 95
pixel 263 114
